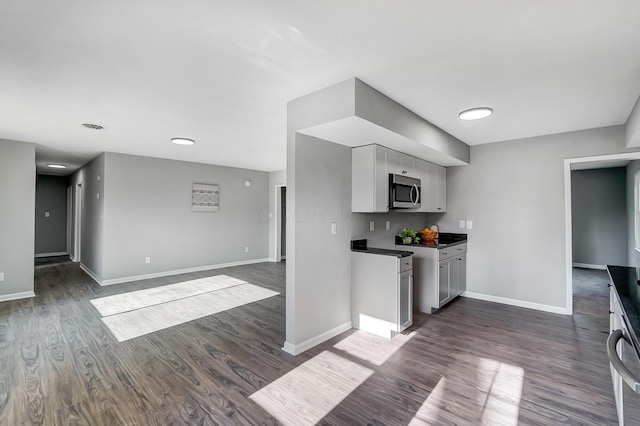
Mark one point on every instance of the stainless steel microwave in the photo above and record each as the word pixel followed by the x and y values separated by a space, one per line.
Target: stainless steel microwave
pixel 404 192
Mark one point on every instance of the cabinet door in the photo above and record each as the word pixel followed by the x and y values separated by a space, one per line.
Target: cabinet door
pixel 453 277
pixel 405 302
pixel 381 180
pixel 429 184
pixel 421 171
pixel 394 162
pixel 461 266
pixel 408 165
pixel 443 282
pixel 441 189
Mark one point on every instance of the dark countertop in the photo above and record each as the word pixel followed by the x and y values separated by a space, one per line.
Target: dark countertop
pixel 444 240
pixel 625 281
pixel 385 252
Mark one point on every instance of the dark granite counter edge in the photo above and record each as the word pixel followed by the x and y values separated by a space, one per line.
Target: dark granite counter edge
pixel 619 276
pixel 384 252
pixel 439 246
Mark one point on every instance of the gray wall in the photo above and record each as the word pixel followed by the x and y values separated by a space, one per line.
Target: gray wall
pixel 17 207
pixel 599 216
pixel 92 220
pixel 148 214
pixel 51 196
pixel 633 256
pixel 514 193
pixel 323 264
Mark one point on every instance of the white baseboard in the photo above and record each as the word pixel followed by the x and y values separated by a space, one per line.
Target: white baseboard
pixel 314 341
pixel 176 272
pixel 590 266
pixel 57 253
pixel 16 296
pixel 73 259
pixel 91 273
pixel 519 303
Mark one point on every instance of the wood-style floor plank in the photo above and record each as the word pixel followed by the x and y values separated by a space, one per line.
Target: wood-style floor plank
pixel 472 363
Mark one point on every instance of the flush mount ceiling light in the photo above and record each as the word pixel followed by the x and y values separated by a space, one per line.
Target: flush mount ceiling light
pixel 93 126
pixel 475 113
pixel 183 141
pixel 57 166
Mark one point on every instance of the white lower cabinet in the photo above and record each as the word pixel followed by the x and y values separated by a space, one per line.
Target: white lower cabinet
pixel 439 275
pixel 381 293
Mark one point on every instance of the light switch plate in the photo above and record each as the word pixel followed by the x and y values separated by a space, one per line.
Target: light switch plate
pixel 388 225
pixel 334 228
pixel 246 249
pixel 98 196
pixel 1 276
pixel 147 260
pixel 46 214
pixel 469 224
pixel 461 224
pixel 372 225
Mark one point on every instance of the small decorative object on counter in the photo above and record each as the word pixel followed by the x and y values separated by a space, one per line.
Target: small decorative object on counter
pixel 409 236
pixel 428 234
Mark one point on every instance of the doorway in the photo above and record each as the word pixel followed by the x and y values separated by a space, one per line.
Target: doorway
pixel 588 280
pixel 77 224
pixel 281 223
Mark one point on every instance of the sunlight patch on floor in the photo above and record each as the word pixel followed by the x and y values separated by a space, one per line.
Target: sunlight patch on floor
pixel 148 319
pixel 306 394
pixel 369 347
pixel 430 411
pixel 490 397
pixel 124 302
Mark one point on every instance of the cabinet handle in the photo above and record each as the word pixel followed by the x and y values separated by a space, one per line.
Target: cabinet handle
pixel 459 249
pixel 439 208
pixel 617 363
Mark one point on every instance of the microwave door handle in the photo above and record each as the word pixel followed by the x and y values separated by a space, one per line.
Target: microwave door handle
pixel 411 193
pixel 417 194
pixel 616 362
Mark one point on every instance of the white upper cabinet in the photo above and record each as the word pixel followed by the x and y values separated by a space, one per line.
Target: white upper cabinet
pixel 370 169
pixel 395 162
pixel 369 179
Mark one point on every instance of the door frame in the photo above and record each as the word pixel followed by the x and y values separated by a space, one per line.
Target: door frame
pixel 568 215
pixel 77 223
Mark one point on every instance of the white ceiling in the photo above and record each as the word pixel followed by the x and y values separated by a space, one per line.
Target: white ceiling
pixel 221 72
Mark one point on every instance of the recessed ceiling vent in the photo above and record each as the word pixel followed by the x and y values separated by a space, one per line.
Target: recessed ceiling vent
pixel 93 126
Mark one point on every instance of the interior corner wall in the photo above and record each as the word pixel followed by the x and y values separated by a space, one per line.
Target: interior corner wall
pixel 148 213
pixel 17 207
pixel 514 194
pixel 91 178
pixel 51 230
pixel 599 216
pixel 322 260
pixel 275 180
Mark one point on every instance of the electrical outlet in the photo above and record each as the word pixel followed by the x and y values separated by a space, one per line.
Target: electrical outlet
pixel 461 224
pixel 469 224
pixel 372 226
pixel 1 276
pixel 246 249
pixel 388 225
pixel 334 228
pixel 46 214
pixel 147 260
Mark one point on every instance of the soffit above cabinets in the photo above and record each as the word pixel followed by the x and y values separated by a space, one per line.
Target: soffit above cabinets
pixel 355 131
pixel 352 113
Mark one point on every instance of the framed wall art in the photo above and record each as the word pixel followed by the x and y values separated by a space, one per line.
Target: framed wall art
pixel 205 197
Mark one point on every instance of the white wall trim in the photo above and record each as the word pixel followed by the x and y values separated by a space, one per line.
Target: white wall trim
pixel 520 303
pixel 73 259
pixel 91 273
pixel 589 266
pixel 56 253
pixel 16 296
pixel 178 271
pixel 314 341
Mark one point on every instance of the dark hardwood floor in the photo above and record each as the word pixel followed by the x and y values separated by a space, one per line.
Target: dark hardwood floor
pixel 473 363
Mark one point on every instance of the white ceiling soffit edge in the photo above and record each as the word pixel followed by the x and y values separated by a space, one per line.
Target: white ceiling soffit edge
pixel 632 128
pixel 588 165
pixel 355 131
pixel 352 113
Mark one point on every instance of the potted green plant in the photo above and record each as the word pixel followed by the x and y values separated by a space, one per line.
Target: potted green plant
pixel 409 236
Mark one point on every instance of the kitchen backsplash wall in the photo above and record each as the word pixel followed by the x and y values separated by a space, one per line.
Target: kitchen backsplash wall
pixel 380 237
